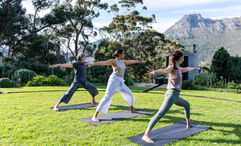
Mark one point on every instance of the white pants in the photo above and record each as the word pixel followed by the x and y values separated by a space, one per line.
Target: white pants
pixel 115 84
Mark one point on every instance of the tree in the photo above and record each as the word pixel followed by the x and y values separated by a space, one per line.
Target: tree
pixel 106 49
pixel 128 24
pixel 38 44
pixel 221 64
pixel 133 33
pixel 13 24
pixel 76 27
pixel 236 69
pixel 40 49
pixel 17 27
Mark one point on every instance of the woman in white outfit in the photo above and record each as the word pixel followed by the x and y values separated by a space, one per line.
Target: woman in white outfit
pixel 116 83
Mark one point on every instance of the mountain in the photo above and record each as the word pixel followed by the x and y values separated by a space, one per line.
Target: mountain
pixel 209 35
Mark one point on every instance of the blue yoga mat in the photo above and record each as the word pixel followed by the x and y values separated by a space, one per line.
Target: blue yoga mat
pixel 116 116
pixel 75 106
pixel 169 134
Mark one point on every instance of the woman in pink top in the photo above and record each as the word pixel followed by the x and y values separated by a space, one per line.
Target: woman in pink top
pixel 174 72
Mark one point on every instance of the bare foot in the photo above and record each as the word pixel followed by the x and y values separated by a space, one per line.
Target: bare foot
pixel 56 108
pixel 132 109
pixel 189 126
pixel 147 139
pixel 94 103
pixel 95 119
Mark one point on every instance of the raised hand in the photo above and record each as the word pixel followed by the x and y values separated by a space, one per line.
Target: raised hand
pixel 197 68
pixel 56 65
pixel 149 74
pixel 89 65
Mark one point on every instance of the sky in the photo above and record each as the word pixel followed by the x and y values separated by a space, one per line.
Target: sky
pixel 168 12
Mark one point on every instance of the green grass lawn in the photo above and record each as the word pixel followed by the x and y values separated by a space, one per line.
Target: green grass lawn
pixel 26 118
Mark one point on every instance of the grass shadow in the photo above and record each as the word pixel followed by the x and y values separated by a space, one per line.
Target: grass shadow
pixel 236 129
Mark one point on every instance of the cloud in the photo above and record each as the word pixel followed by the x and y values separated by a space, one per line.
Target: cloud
pixel 177 3
pixel 171 3
pixel 215 12
pixel 168 12
pixel 163 24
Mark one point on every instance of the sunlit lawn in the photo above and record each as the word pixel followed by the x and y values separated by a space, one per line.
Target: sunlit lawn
pixel 26 118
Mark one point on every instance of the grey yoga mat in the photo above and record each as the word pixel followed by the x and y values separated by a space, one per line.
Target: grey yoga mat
pixel 116 116
pixel 169 134
pixel 3 92
pixel 75 106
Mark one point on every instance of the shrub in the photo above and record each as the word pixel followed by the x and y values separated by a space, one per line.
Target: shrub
pixel 187 85
pixel 238 87
pixel 41 69
pixel 7 70
pixel 24 75
pixel 94 80
pixel 100 73
pixel 37 81
pixel 53 80
pixel 204 79
pixel 1 71
pixel 218 84
pixel 69 75
pixel 5 83
pixel 129 81
pixel 198 87
pixel 232 85
pixel 200 79
pixel 38 68
pixel 101 78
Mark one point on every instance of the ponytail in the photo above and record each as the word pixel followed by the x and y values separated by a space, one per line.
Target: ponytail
pixel 118 52
pixel 172 61
pixel 174 57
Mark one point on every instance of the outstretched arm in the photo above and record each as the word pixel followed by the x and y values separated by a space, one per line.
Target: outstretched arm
pixel 187 69
pixel 127 62
pixel 108 62
pixel 161 71
pixel 62 65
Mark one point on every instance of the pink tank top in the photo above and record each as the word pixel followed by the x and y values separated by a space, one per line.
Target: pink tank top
pixel 175 80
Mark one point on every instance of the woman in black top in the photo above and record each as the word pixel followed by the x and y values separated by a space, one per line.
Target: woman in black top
pixel 80 68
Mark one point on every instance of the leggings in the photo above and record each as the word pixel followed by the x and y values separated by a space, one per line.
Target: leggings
pixel 74 86
pixel 171 97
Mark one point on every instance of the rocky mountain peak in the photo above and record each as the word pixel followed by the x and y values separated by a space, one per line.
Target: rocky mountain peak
pixel 208 34
pixel 192 17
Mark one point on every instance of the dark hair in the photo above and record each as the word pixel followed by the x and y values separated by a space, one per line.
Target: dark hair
pixel 118 52
pixel 174 57
pixel 79 56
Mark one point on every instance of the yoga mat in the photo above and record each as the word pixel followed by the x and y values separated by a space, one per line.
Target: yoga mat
pixel 75 106
pixel 169 134
pixel 3 92
pixel 116 116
